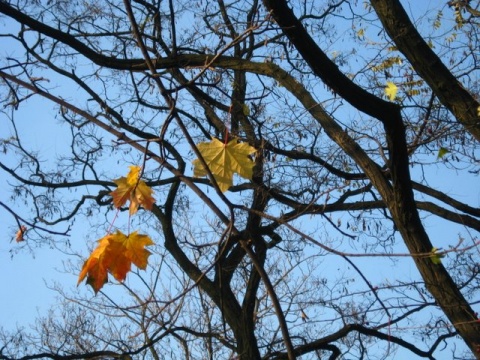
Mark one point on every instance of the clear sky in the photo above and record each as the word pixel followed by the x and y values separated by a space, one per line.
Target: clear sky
pixel 26 274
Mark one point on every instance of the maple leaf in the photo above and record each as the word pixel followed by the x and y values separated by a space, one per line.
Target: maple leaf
pixel 115 254
pixel 224 160
pixel 442 152
pixel 20 233
pixel 391 90
pixel 436 257
pixel 134 189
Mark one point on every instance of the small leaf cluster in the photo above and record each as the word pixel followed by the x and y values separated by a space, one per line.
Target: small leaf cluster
pixel 116 252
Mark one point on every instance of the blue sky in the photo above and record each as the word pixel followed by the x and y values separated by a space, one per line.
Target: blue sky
pixel 25 277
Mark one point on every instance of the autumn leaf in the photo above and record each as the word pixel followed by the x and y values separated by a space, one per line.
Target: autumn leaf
pixel 224 160
pixel 442 152
pixel 20 234
pixel 435 257
pixel 134 189
pixel 115 254
pixel 391 90
pixel 246 110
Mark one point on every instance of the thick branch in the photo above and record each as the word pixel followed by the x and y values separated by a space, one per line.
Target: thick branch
pixel 322 343
pixel 399 197
pixel 428 65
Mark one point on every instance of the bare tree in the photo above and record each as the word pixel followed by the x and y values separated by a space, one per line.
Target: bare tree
pixel 353 110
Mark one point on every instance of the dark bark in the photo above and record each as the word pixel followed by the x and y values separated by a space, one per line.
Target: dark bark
pixel 325 343
pixel 221 294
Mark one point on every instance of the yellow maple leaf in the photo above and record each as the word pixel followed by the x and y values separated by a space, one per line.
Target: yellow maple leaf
pixel 224 160
pixel 134 189
pixel 391 90
pixel 436 257
pixel 115 254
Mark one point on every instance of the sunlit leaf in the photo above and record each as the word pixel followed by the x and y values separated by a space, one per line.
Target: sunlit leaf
pixel 391 90
pixel 224 160
pixel 20 233
pixel 388 62
pixel 134 189
pixel 115 254
pixel 442 152
pixel 436 258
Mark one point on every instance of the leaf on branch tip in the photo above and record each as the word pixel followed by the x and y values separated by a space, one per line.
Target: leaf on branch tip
pixel 115 254
pixel 436 258
pixel 20 233
pixel 391 90
pixel 134 189
pixel 224 160
pixel 442 152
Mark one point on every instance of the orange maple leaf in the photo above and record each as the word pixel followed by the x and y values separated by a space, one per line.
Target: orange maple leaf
pixel 20 233
pixel 224 160
pixel 134 189
pixel 115 254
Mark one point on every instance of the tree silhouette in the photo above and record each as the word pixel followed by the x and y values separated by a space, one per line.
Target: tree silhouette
pixel 345 176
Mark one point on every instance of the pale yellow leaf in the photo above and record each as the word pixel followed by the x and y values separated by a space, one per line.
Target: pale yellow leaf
pixel 391 90
pixel 224 160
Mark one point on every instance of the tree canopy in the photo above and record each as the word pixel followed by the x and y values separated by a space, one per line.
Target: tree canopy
pixel 293 165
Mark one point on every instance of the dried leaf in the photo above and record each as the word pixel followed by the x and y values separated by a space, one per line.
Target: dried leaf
pixel 20 234
pixel 134 189
pixel 224 160
pixel 115 254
